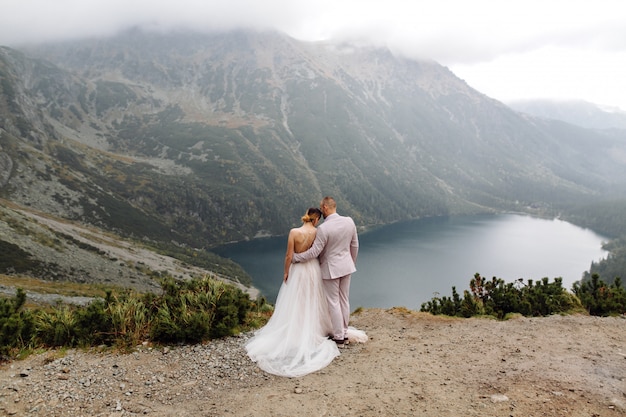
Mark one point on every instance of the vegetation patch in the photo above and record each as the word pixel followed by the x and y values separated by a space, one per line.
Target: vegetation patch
pixel 185 312
pixel 499 299
pixel 600 298
pixel 15 260
pixel 65 288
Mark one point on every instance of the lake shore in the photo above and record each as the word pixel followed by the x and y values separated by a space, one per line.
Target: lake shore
pixel 426 258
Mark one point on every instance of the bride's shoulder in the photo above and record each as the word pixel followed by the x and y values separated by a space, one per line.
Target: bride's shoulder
pixel 296 231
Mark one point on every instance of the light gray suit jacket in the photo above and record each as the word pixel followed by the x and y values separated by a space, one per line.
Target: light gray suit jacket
pixel 336 245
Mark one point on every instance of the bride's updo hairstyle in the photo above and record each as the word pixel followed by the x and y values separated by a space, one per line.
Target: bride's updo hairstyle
pixel 312 214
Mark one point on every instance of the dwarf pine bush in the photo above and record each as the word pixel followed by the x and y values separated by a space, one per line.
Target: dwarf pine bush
pixel 185 312
pixel 16 324
pixel 196 310
pixel 601 299
pixel 94 323
pixel 497 298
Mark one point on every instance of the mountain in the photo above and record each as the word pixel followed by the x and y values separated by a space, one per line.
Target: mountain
pixel 576 112
pixel 180 142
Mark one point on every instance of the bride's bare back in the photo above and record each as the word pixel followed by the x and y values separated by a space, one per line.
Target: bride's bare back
pixel 304 238
pixel 300 239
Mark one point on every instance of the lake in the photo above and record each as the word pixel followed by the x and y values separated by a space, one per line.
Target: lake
pixel 406 264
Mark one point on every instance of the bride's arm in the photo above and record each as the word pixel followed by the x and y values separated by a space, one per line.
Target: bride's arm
pixel 314 251
pixel 291 242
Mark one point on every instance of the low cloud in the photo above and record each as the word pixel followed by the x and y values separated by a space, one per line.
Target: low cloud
pixel 456 33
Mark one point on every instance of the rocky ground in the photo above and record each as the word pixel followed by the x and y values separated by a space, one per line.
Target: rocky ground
pixel 413 364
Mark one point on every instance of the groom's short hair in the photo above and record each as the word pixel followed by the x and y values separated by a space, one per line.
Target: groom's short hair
pixel 329 201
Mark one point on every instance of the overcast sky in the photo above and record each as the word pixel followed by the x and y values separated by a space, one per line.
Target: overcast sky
pixel 513 49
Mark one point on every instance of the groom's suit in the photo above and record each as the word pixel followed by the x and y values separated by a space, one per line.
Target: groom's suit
pixel 336 245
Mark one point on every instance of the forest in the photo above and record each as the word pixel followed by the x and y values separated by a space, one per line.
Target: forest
pixel 609 219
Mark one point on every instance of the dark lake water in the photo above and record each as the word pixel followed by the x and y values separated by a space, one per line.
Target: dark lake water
pixel 406 264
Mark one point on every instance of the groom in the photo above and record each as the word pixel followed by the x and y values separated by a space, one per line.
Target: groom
pixel 337 245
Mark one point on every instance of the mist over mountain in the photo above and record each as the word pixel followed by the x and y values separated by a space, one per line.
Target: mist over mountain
pixel 186 140
pixel 576 112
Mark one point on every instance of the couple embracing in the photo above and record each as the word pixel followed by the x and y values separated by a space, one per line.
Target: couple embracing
pixel 312 310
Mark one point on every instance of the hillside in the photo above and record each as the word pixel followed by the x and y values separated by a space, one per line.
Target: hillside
pixel 413 364
pixel 62 250
pixel 180 142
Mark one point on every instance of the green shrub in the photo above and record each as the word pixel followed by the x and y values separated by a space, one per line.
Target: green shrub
pixel 187 311
pixel 196 310
pixel 129 319
pixel 94 324
pixel 56 327
pixel 600 299
pixel 497 298
pixel 16 325
pixel 114 320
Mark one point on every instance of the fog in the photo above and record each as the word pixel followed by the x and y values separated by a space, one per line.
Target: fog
pixel 508 50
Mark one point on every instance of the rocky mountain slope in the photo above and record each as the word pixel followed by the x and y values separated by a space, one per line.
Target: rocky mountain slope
pixel 179 142
pixel 56 249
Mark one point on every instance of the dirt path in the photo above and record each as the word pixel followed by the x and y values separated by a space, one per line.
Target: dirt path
pixel 414 364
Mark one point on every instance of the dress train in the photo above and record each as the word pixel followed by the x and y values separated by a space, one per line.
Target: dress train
pixel 294 341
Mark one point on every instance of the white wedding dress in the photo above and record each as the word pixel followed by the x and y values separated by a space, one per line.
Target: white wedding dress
pixel 294 341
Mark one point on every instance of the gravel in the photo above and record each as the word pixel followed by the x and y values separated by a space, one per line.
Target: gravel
pixel 100 382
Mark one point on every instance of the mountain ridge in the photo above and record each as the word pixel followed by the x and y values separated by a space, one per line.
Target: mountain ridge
pixel 189 141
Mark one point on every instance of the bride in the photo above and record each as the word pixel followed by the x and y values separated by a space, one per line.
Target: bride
pixel 295 342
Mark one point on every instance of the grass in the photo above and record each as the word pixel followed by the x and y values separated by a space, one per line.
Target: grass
pixel 69 289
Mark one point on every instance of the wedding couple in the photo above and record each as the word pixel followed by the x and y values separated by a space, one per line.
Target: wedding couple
pixel 312 310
